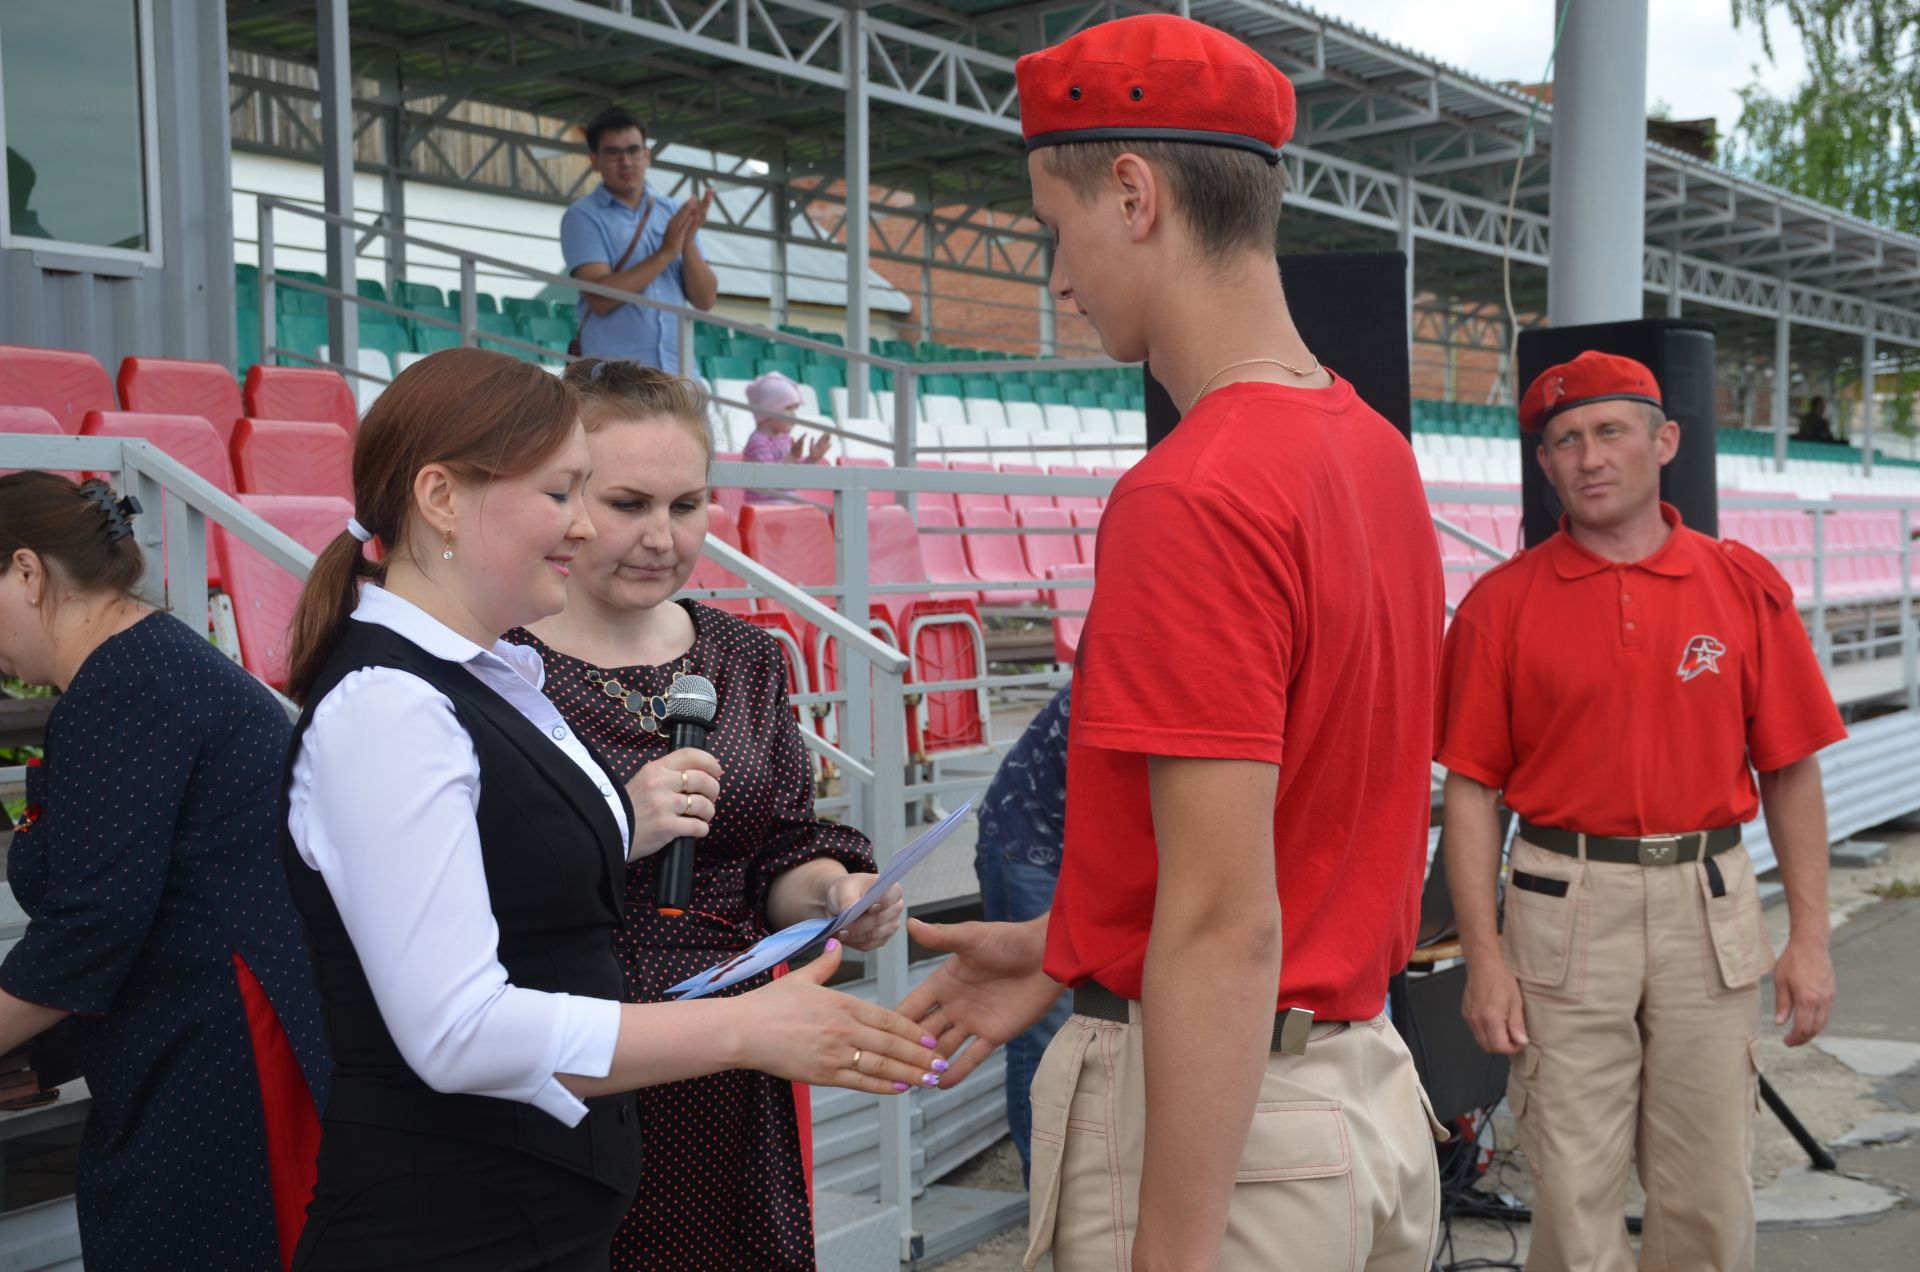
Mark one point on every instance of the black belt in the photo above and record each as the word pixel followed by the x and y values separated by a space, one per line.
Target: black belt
pixel 1648 850
pixel 1290 1027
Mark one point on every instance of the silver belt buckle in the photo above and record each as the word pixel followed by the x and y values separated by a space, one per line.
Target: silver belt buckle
pixel 1660 850
pixel 1295 1024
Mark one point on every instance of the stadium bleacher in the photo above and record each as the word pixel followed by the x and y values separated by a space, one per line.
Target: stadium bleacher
pixel 283 443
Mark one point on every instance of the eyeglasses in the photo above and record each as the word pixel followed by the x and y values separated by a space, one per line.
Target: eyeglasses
pixel 610 153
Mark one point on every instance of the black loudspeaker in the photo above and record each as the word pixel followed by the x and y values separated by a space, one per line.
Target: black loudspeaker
pixel 1680 355
pixel 1351 309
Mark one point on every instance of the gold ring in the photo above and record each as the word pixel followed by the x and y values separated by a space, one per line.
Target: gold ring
pixel 687 808
pixel 683 780
pixel 857 1053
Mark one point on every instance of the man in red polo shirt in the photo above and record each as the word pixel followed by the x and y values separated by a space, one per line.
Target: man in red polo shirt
pixel 1248 777
pixel 1617 683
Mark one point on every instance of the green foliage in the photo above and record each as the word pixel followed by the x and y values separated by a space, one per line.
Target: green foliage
pixel 1850 136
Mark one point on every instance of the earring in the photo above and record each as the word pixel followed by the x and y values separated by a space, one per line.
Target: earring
pixel 448 554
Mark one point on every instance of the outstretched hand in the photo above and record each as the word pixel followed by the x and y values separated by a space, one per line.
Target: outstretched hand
pixel 988 993
pixel 797 1028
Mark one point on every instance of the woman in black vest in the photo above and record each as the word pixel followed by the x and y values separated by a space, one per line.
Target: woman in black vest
pixel 458 856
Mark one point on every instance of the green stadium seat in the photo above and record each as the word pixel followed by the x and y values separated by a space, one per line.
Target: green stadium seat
pixel 372 289
pixel 568 309
pixel 525 307
pixel 1049 395
pixel 483 302
pixel 724 368
pixel 434 339
pixel 301 333
pixel 748 347
pixel 441 312
pixel 981 387
pixel 824 379
pixel 413 295
pixel 548 332
pixel 1082 397
pixel 243 273
pixel 1116 401
pixel 298 300
pixel 940 385
pixel 789 369
pixel 1013 392
pixel 389 338
pixel 497 324
pixel 247 330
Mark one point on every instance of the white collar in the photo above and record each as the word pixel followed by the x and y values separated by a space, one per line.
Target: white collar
pixel 402 617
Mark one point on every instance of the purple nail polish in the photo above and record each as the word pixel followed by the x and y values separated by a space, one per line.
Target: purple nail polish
pixel 930 1079
pixel 939 1065
pixel 901 1086
pixel 929 1042
pixel 832 945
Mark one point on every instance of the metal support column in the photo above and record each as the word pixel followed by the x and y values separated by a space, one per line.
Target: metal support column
pixel 336 161
pixel 1780 383
pixel 393 184
pixel 1403 166
pixel 1673 281
pixel 1869 403
pixel 1599 202
pixel 926 263
pixel 782 231
pixel 859 220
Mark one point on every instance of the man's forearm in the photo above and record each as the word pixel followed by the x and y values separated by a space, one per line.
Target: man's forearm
pixel 701 283
pixel 1211 980
pixel 1207 1002
pixel 1470 818
pixel 634 278
pixel 1796 807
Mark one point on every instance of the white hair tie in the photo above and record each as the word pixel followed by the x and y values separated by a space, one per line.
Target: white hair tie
pixel 359 531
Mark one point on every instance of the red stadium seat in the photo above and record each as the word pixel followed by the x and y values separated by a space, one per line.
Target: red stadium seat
pixel 937 498
pixel 64 384
pixel 1087 519
pixel 187 438
pixel 1044 551
pixel 943 636
pixel 945 557
pixel 1068 626
pixel 969 500
pixel 263 594
pixel 292 457
pixel 30 421
pixel 174 386
pixel 1074 503
pixel 996 558
pixel 1018 504
pixel 708 573
pixel 875 498
pixel 300 393
pixel 795 541
pixel 732 498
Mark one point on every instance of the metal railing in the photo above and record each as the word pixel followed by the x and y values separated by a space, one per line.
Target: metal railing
pixel 860 362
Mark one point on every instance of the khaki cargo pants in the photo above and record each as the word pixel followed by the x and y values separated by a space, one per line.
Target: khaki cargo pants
pixel 1642 993
pixel 1338 1172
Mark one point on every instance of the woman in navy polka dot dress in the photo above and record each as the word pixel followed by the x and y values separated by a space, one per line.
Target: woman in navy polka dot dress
pixel 158 914
pixel 724 1184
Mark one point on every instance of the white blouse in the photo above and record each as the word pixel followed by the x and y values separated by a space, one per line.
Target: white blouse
pixel 385 790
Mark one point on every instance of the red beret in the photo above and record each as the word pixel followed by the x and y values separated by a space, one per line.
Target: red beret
pixel 1591 377
pixel 1155 77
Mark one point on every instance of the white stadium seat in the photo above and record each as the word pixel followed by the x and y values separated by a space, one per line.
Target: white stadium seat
pixel 1060 415
pixel 986 412
pixel 1025 415
pixel 938 408
pixel 1097 419
pixel 1130 424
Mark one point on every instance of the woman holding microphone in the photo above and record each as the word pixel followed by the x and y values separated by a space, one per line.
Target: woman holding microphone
pixel 458 855
pixel 735 1195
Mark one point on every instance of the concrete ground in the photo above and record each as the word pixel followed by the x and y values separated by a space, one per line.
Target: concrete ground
pixel 1857 1089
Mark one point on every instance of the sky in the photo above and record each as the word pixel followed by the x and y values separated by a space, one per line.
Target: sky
pixel 1696 61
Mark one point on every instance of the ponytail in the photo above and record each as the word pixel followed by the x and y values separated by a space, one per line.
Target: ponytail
pixel 326 602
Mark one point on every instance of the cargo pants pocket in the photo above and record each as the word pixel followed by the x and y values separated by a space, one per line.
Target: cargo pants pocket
pixel 1054 1083
pixel 1544 936
pixel 1736 932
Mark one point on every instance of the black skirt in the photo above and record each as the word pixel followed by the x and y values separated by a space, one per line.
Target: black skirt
pixel 410 1202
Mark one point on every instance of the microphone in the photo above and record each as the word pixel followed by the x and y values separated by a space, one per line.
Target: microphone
pixel 691 707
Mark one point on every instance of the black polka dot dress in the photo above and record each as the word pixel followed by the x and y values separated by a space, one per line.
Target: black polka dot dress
pixel 150 874
pixel 724 1184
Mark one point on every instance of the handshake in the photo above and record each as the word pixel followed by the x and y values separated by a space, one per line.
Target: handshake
pixel 989 990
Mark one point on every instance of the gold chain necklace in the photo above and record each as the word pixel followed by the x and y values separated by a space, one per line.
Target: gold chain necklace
pixel 1288 367
pixel 650 707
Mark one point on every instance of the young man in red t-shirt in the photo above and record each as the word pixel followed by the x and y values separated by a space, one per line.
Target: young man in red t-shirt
pixel 1618 683
pixel 1248 783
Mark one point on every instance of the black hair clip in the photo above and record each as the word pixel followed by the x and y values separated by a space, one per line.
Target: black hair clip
pixel 118 513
